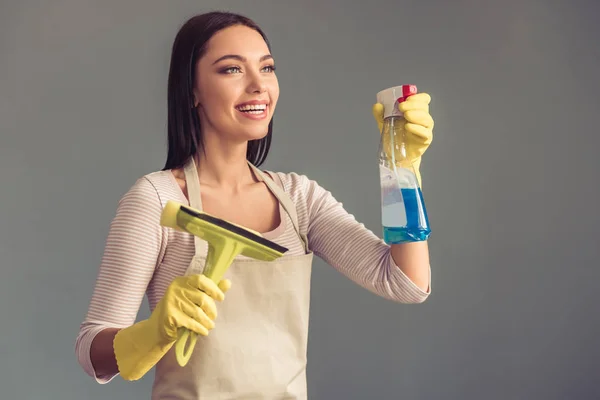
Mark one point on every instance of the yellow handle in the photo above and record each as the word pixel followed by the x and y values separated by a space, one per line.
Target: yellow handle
pixel 181 354
pixel 183 349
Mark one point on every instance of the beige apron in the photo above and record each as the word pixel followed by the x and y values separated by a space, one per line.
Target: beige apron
pixel 258 347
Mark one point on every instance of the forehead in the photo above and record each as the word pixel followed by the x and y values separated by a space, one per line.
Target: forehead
pixel 239 40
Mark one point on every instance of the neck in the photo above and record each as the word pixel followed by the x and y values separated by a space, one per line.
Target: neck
pixel 223 165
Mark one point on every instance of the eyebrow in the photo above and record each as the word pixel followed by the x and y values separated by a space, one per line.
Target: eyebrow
pixel 240 58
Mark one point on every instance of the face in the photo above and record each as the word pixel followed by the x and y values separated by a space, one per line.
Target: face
pixel 236 88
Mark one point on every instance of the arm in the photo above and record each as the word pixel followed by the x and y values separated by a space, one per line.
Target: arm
pixel 133 246
pixel 102 355
pixel 413 260
pixel 400 272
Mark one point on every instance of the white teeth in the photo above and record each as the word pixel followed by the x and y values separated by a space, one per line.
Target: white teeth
pixel 255 109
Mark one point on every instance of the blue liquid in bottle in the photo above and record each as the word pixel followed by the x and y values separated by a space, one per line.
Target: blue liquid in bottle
pixel 404 216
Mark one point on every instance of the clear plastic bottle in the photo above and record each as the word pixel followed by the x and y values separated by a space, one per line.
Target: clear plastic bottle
pixel 404 215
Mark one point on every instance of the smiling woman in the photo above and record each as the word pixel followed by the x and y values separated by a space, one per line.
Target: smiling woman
pixel 226 58
pixel 222 94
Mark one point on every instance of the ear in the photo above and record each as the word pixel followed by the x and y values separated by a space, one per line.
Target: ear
pixel 196 97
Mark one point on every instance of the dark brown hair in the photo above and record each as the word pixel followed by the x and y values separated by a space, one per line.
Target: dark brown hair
pixel 183 126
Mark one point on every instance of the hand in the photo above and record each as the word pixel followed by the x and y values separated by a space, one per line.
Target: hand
pixel 419 126
pixel 188 302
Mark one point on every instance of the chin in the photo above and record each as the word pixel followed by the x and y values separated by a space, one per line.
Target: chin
pixel 256 135
pixel 252 131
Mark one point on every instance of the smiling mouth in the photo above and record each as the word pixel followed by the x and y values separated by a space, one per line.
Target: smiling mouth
pixel 254 109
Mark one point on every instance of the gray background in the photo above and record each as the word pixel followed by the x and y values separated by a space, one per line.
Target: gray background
pixel 511 183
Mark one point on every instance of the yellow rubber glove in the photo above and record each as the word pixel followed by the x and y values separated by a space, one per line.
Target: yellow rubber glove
pixel 188 302
pixel 419 127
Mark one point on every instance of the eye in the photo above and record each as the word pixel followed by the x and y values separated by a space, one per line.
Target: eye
pixel 231 70
pixel 269 68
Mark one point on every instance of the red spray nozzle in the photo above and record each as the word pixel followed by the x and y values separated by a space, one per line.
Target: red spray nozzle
pixel 407 91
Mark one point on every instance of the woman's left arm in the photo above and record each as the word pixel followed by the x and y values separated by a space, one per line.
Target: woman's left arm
pixel 399 273
pixel 413 260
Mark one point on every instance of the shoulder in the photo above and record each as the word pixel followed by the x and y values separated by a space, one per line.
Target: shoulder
pixel 303 191
pixel 154 189
pixel 292 182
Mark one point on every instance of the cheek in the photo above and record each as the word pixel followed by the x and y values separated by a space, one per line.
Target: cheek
pixel 274 92
pixel 218 99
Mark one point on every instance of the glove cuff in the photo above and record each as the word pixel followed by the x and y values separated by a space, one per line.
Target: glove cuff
pixel 137 349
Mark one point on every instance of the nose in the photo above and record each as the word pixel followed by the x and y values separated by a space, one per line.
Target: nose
pixel 256 83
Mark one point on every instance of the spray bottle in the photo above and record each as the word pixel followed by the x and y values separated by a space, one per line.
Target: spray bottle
pixel 404 216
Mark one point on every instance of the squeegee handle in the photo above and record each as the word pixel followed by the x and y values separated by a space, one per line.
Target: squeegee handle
pixel 183 353
pixel 183 348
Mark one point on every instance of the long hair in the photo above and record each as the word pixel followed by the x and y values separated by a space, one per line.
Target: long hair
pixel 183 123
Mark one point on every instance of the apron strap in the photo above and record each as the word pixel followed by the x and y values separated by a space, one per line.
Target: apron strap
pixel 285 201
pixel 192 183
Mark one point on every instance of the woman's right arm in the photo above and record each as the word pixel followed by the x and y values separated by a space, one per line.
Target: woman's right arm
pixel 102 354
pixel 135 243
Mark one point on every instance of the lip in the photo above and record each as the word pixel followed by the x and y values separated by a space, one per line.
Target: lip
pixel 255 117
pixel 253 103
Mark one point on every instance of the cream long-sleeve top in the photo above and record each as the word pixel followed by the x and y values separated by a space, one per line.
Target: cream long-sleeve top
pixel 142 258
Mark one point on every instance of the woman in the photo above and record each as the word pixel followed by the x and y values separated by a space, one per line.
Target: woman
pixel 221 97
